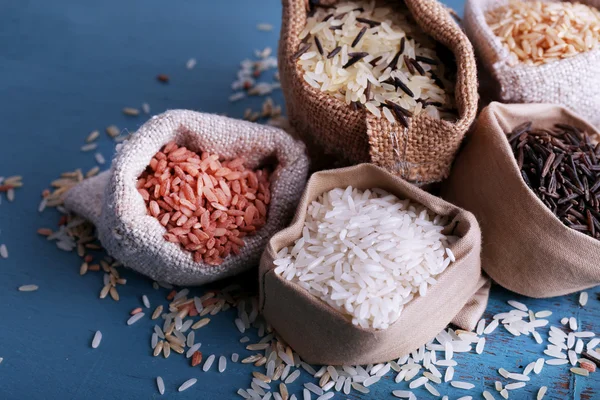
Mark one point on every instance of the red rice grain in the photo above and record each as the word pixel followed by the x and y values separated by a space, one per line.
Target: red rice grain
pixel 206 204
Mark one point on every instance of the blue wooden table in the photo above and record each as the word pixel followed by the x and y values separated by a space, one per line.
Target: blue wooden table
pixel 68 67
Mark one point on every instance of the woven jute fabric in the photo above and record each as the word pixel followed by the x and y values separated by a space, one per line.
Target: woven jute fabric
pixel 337 135
pixel 112 202
pixel 322 335
pixel 526 248
pixel 573 82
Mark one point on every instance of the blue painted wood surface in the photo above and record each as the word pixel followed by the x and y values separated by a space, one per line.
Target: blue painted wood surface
pixel 67 67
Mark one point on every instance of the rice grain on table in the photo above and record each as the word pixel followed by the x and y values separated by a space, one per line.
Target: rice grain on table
pixel 89 147
pixel 539 32
pixel 187 384
pixel 206 205
pixel 160 384
pixel 583 299
pixel 135 318
pixel 372 57
pixel 333 244
pixel 3 251
pixel 28 288
pixel 208 363
pixel 96 340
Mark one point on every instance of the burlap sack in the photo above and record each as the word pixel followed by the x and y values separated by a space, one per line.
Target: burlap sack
pixel 112 202
pixel 323 335
pixel 573 82
pixel 525 247
pixel 337 135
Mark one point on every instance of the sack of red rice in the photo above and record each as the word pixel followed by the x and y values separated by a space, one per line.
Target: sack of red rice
pixel 371 268
pixel 393 84
pixel 528 173
pixel 192 197
pixel 539 51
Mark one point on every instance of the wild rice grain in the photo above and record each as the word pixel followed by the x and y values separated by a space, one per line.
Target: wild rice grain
pixel 97 339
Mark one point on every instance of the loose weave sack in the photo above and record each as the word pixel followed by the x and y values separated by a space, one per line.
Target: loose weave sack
pixel 525 247
pixel 572 82
pixel 112 202
pixel 323 335
pixel 335 134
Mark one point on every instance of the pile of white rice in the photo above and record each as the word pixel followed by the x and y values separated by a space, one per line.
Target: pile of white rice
pixel 367 253
pixel 386 32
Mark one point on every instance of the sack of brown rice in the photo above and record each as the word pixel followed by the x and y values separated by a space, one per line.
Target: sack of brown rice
pixel 386 83
pixel 539 51
pixel 191 197
pixel 528 173
pixel 371 268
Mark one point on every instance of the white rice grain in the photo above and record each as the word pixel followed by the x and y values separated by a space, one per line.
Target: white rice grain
pixel 160 384
pixel 208 363
pixel 135 318
pixel 97 339
pixel 187 384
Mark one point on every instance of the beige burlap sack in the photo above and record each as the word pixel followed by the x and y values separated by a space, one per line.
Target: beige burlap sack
pixel 526 248
pixel 337 135
pixel 112 202
pixel 323 335
pixel 572 82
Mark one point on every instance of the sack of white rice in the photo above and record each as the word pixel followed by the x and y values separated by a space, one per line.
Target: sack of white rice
pixel 370 269
pixel 191 197
pixel 539 51
pixel 393 84
pixel 529 174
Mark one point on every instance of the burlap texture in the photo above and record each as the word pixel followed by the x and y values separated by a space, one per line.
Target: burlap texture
pixel 323 335
pixel 573 82
pixel 337 135
pixel 112 202
pixel 525 247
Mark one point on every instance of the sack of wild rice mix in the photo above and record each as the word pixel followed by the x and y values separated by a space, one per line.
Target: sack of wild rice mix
pixel 539 51
pixel 394 84
pixel 370 269
pixel 528 173
pixel 192 197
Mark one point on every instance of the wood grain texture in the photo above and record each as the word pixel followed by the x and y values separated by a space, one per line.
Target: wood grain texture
pixel 68 67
